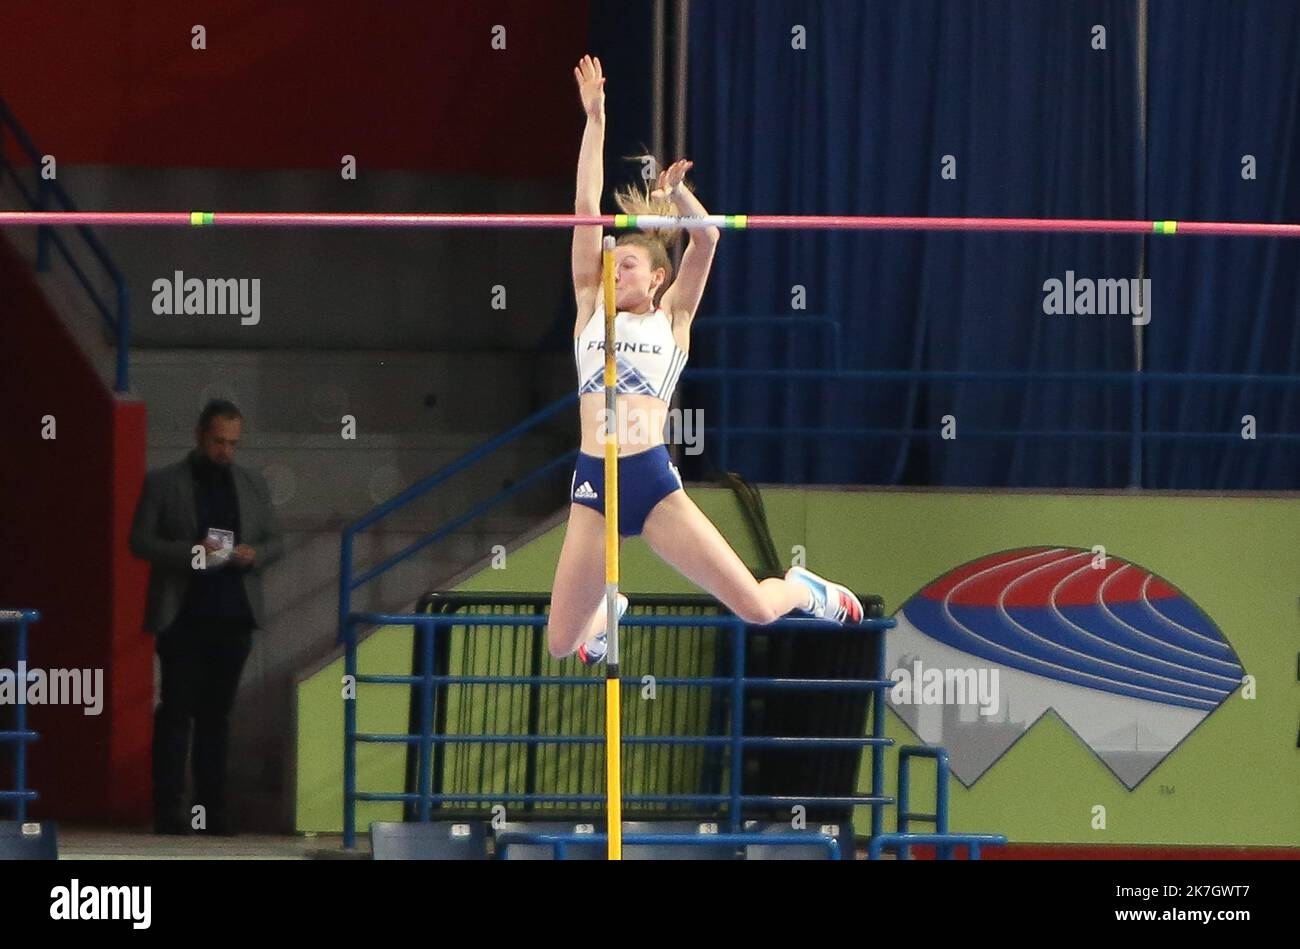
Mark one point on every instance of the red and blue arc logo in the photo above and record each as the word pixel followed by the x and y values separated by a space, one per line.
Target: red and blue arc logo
pixel 1126 660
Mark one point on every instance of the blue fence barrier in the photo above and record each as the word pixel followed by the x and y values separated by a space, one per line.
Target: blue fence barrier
pixel 20 735
pixel 733 802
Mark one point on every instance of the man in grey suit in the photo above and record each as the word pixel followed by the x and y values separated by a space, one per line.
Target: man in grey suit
pixel 207 527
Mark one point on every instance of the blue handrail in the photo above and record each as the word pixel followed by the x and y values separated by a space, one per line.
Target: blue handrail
pixel 905 816
pixel 995 375
pixel 118 322
pixel 945 842
pixel 21 736
pixel 349 583
pixel 828 324
pixel 735 799
pixel 973 841
pixel 811 432
pixel 787 323
pixel 1138 383
pixel 558 842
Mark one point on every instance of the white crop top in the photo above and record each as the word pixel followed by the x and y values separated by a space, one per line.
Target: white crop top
pixel 647 358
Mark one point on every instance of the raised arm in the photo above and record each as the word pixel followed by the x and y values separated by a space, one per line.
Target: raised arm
pixel 683 297
pixel 591 181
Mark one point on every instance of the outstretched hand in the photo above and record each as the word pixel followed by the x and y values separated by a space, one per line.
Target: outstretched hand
pixel 671 177
pixel 591 85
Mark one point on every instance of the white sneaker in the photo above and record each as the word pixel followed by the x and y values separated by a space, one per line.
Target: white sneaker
pixel 594 649
pixel 830 600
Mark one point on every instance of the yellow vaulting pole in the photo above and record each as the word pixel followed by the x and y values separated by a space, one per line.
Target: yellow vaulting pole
pixel 613 695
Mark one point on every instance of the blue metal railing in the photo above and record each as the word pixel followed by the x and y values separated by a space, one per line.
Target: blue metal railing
pixel 827 327
pixel 118 317
pixel 734 800
pixel 905 816
pixel 558 842
pixel 945 842
pixel 1138 382
pixel 20 737
pixel 972 841
pixel 349 583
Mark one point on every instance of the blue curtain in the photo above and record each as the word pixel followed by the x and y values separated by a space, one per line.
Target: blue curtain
pixel 1225 84
pixel 1038 121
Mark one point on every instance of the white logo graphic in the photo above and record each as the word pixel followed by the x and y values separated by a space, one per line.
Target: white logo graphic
pixel 584 492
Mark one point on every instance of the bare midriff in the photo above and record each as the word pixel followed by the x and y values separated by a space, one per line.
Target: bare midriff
pixel 641 421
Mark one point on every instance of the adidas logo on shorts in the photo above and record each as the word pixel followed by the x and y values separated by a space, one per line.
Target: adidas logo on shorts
pixel 584 492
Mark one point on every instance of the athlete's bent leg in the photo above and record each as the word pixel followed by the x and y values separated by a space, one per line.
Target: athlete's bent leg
pixel 577 595
pixel 680 533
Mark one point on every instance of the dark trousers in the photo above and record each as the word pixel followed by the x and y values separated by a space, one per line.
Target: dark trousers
pixel 201 664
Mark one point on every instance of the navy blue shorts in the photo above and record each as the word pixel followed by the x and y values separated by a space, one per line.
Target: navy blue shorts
pixel 644 479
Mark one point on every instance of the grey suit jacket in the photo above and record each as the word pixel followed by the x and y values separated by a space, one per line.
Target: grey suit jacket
pixel 166 524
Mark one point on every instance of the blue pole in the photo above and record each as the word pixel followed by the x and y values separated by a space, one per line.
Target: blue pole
pixel 904 798
pixel 941 777
pixel 878 731
pixel 941 800
pixel 427 632
pixel 345 580
pixel 20 748
pixel 737 720
pixel 350 741
pixel 123 337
